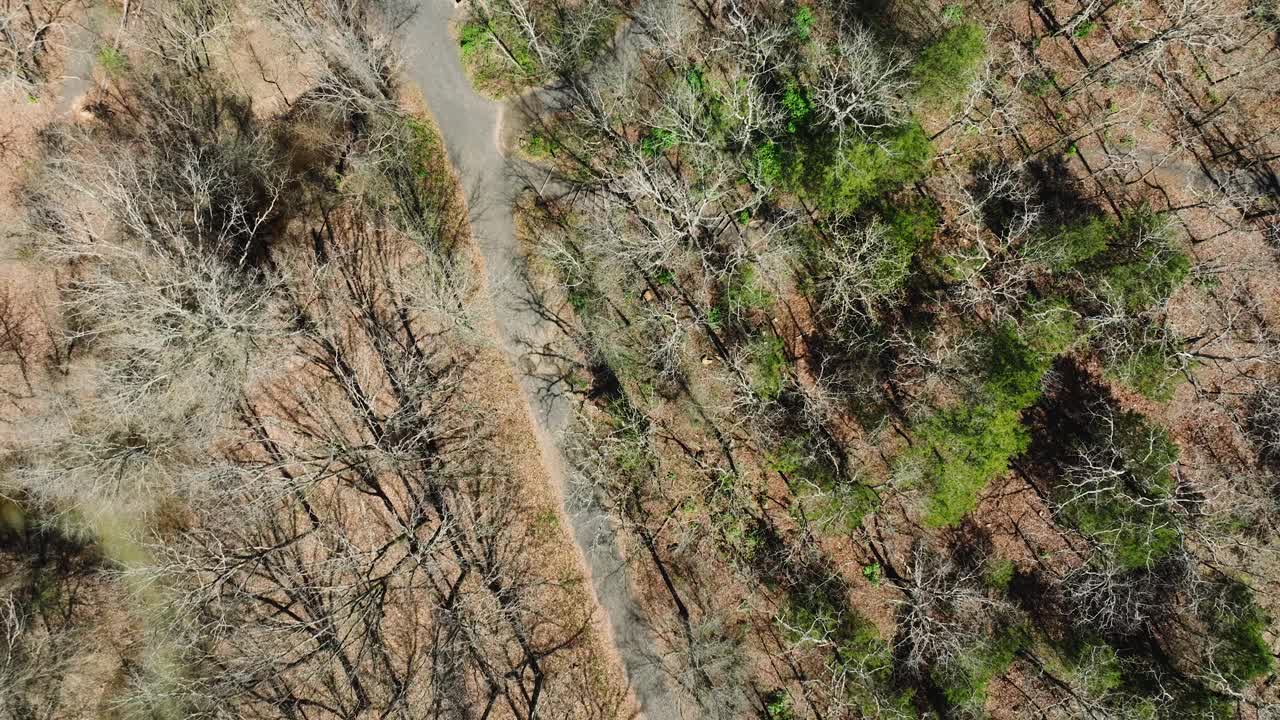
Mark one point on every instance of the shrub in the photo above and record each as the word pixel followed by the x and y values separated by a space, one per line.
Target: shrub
pixel 779 706
pixel 1072 245
pixel 1141 266
pixel 1133 683
pixel 742 535
pixel 472 38
pixel 1150 367
pixel 912 224
pixel 857 267
pixel 1148 452
pixel 768 159
pixel 796 103
pixel 1147 275
pixel 584 299
pixel 802 23
pixel 1135 536
pixel 966 446
pixel 998 573
pixel 1014 368
pixel 769 367
pixel 841 506
pixel 809 607
pixel 1093 663
pixel 898 231
pixel 112 60
pixel 828 500
pixel 873 573
pixel 536 38
pixel 947 67
pixel 489 44
pixel 744 290
pixel 539 146
pixel 858 649
pixel 1084 29
pixel 1131 264
pixel 1050 327
pixel 696 79
pixel 657 141
pixel 1040 85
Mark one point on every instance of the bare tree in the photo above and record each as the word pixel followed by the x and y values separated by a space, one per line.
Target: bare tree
pixel 860 88
pixel 34 658
pixel 1262 412
pixel 26 27
pixel 712 670
pixel 998 214
pixel 946 612
pixel 860 271
pixel 1154 34
pixel 24 350
pixel 355 41
pixel 180 33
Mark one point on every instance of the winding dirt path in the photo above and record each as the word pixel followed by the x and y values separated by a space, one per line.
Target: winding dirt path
pixel 472 128
pixel 82 36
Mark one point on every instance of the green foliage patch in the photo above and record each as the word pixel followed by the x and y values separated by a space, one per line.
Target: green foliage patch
pixel 769 367
pixel 829 501
pixel 745 290
pixel 1132 265
pixel 964 681
pixel 947 67
pixel 802 23
pixel 495 55
pixel 657 141
pixel 112 60
pixel 796 103
pixel 1123 513
pixel 1073 245
pixel 1151 368
pixel 1145 272
pixel 965 446
pixel 1237 623
pixel 810 612
pixel 998 573
pixel 844 179
pixel 496 52
pixel 1132 259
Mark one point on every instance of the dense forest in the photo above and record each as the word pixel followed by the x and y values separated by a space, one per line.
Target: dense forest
pixel 781 359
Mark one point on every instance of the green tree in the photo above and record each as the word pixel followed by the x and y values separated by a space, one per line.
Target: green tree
pixel 947 67
pixel 842 179
pixel 965 446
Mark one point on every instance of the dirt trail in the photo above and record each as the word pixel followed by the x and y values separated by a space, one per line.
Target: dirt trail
pixel 82 37
pixel 472 126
